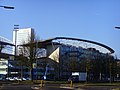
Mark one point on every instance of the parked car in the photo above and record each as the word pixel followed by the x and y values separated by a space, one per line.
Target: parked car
pixel 24 79
pixel 18 79
pixel 27 78
pixel 74 79
pixel 10 78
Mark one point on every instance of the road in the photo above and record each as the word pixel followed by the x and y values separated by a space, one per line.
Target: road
pixel 54 87
pixel 97 88
pixel 30 87
pixel 15 87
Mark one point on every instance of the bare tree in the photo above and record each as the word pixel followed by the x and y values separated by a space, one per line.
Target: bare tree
pixel 31 51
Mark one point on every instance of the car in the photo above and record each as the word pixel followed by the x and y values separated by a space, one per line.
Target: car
pixel 27 78
pixel 17 78
pixel 74 79
pixel 10 78
pixel 24 79
pixel 1 78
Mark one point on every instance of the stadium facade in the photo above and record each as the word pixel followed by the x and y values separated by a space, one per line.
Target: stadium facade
pixel 5 54
pixel 62 57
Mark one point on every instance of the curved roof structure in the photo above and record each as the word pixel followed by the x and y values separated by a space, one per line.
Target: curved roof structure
pixel 7 50
pixel 52 40
pixel 83 40
pixel 5 41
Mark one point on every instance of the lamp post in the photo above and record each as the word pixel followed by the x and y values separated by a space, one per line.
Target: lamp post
pixel 7 7
pixel 110 66
pixel 118 27
pixel 16 27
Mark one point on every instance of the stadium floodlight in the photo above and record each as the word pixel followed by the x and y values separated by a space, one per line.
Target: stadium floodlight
pixel 7 7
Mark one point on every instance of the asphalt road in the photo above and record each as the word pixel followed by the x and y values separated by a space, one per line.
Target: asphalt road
pixel 30 87
pixel 97 88
pixel 55 87
pixel 15 87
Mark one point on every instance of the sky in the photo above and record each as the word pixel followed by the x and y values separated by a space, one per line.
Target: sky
pixel 85 19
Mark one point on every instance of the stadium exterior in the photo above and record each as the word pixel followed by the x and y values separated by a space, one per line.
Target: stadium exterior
pixel 5 55
pixel 61 56
pixel 66 55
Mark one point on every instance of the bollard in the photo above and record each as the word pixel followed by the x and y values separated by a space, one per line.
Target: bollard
pixel 41 83
pixel 71 83
pixel 44 83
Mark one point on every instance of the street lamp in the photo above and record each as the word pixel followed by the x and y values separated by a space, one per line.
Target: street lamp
pixel 7 7
pixel 16 27
pixel 117 27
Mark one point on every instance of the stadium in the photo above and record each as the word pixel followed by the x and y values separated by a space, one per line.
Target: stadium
pixel 60 56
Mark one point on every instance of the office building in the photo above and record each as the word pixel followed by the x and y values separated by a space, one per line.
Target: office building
pixel 22 36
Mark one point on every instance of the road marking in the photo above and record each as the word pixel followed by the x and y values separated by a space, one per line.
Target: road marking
pixel 66 87
pixel 36 87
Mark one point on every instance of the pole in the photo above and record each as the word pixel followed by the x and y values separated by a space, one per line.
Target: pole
pixel 110 64
pixel 71 83
pixel 15 34
pixel 36 63
pixel 7 7
pixel 117 27
pixel 16 27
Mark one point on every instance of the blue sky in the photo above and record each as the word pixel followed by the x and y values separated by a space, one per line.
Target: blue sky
pixel 86 19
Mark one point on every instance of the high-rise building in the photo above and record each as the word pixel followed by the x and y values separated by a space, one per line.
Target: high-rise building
pixel 22 36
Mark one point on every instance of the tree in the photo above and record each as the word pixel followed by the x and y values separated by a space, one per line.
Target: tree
pixel 23 63
pixel 31 51
pixel 73 65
